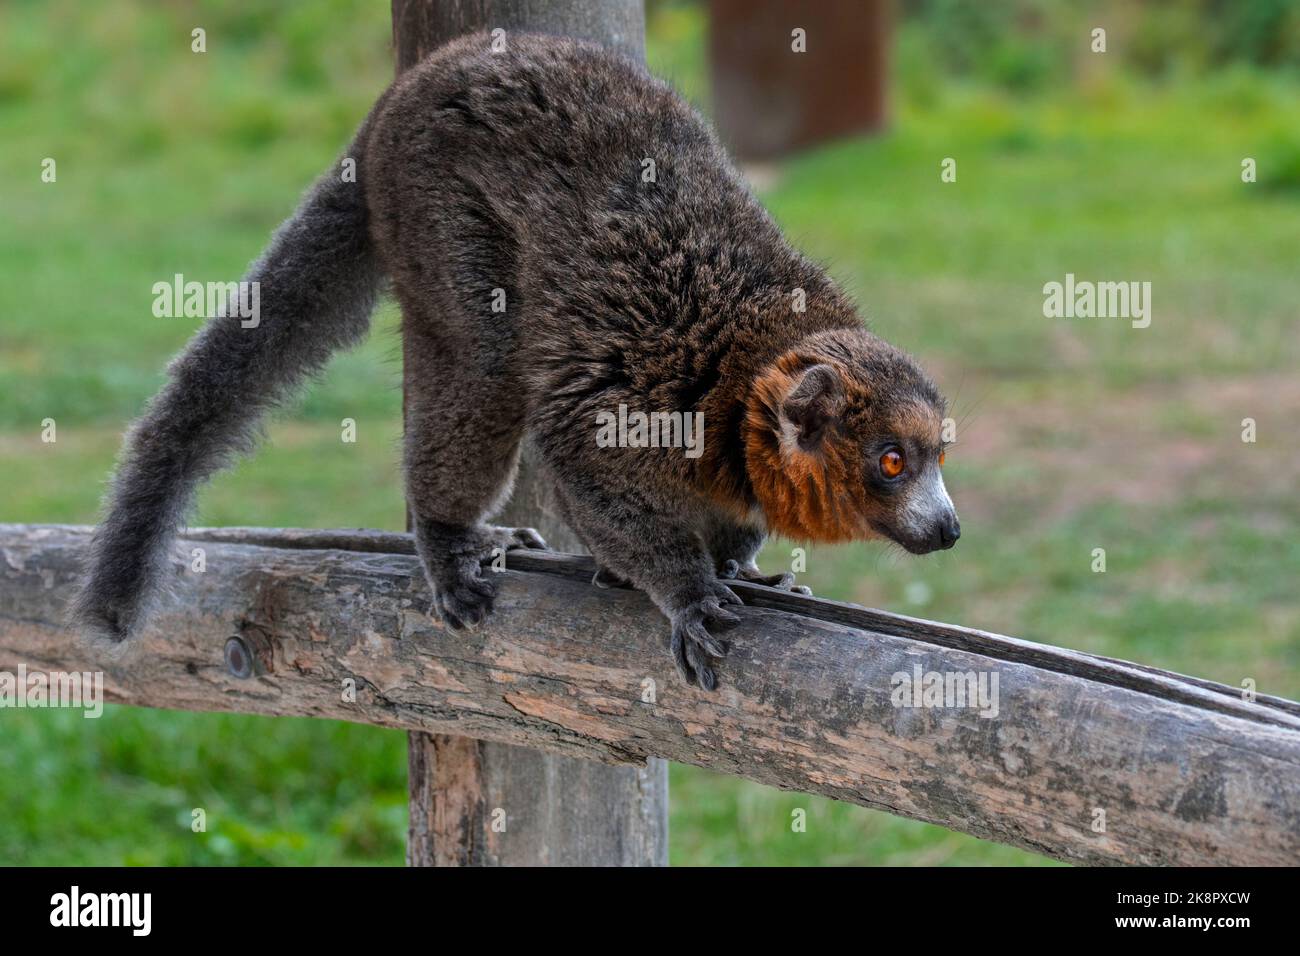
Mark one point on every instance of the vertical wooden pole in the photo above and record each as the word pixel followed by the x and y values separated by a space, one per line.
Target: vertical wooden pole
pixel 475 803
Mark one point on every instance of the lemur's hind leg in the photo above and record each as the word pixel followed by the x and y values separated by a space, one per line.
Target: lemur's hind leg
pixel 734 548
pixel 461 453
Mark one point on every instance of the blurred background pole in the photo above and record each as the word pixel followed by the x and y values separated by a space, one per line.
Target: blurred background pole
pixel 775 91
pixel 556 810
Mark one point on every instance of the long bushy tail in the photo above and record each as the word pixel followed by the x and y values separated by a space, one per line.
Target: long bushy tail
pixel 317 282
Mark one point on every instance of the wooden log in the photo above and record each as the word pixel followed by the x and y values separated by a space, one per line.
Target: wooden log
pixel 463 792
pixel 1180 771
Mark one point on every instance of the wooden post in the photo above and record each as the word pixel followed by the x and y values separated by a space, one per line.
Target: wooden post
pixel 476 803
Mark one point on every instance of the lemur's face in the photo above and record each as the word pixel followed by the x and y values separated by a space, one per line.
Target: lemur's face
pixel 852 451
pixel 902 463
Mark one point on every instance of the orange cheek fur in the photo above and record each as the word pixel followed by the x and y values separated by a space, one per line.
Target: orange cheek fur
pixel 812 496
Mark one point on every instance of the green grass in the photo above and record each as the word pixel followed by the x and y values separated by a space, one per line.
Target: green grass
pixel 1076 434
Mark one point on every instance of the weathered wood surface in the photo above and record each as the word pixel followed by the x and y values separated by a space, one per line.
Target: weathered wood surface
pixel 558 811
pixel 1185 771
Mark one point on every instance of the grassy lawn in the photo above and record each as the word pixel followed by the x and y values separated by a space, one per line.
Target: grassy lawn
pixel 1075 434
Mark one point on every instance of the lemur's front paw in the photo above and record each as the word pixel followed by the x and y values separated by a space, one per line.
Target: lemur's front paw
pixel 734 570
pixel 462 596
pixel 453 558
pixel 692 645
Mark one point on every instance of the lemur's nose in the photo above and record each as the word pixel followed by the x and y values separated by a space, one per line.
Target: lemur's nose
pixel 949 531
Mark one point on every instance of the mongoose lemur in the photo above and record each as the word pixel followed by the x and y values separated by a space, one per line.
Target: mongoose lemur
pixel 565 236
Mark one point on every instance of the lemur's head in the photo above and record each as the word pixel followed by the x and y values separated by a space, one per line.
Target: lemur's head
pixel 843 441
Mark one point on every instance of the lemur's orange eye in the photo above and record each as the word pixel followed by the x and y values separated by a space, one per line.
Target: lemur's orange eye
pixel 891 463
pixel 941 457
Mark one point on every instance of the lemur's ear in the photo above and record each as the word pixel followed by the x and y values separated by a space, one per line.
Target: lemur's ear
pixel 812 407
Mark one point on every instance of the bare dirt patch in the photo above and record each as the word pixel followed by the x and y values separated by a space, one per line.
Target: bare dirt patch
pixel 1149 446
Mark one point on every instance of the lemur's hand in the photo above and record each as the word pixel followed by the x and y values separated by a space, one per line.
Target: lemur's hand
pixel 733 570
pixel 453 559
pixel 691 644
pixel 690 614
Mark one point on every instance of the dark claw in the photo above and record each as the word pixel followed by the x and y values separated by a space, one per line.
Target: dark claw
pixel 700 664
pixel 699 637
pixel 724 619
pixel 678 648
pixel 728 596
pixel 605 578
